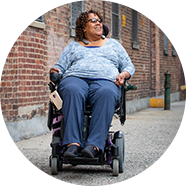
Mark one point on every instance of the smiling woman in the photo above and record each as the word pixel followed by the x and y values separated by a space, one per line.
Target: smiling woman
pixel 92 69
pixel 94 30
pixel 83 21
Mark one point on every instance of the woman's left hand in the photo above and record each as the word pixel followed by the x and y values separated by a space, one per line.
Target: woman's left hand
pixel 120 78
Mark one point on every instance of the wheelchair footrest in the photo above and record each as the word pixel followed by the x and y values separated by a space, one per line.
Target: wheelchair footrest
pixel 86 161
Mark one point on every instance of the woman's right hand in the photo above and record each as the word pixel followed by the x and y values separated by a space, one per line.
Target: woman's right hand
pixel 54 70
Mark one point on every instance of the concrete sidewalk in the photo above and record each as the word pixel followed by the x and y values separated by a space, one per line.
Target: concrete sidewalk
pixel 148 134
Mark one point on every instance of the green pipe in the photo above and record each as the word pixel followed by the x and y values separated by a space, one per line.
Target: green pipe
pixel 167 91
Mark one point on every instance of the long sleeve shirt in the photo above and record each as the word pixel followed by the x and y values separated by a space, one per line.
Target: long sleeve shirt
pixel 104 62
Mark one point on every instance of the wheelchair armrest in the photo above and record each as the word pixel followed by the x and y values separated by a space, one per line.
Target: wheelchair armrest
pixel 50 116
pixel 123 104
pixel 55 78
pixel 125 87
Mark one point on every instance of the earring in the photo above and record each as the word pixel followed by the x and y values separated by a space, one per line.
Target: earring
pixel 103 36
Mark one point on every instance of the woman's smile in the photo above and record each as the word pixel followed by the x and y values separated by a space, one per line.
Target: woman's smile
pixel 97 28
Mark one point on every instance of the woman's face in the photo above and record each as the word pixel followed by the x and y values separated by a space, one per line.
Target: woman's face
pixel 93 29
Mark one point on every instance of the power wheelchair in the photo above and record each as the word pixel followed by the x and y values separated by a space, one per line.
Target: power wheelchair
pixel 114 151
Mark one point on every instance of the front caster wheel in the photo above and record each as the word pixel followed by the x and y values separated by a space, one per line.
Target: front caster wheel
pixel 120 143
pixel 54 169
pixel 115 164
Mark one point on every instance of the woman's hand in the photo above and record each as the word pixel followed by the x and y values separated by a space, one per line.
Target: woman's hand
pixel 120 78
pixel 54 70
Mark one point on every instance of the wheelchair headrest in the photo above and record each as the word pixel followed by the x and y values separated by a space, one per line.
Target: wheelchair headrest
pixel 105 29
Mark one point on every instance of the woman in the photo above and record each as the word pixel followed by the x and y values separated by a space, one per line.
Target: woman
pixel 90 67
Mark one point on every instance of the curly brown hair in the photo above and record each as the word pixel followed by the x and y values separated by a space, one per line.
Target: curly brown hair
pixel 81 23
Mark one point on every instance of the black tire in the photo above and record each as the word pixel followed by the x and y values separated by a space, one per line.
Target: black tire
pixel 120 143
pixel 50 161
pixel 60 165
pixel 54 167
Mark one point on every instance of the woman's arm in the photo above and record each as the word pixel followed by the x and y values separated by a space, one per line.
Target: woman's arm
pixel 125 64
pixel 64 60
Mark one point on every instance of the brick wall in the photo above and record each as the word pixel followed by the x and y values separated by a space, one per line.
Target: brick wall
pixel 182 30
pixel 161 63
pixel 170 63
pixel 141 57
pixel 31 62
pixel 8 60
pixel 155 61
pixel 25 74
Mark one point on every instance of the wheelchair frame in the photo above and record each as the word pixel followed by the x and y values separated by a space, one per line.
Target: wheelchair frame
pixel 114 151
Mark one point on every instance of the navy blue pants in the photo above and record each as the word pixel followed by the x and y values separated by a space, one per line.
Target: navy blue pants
pixel 102 96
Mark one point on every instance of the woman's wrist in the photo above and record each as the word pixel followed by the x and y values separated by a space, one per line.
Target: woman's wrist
pixel 123 74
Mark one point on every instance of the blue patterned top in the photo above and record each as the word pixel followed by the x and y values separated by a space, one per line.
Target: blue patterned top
pixel 103 62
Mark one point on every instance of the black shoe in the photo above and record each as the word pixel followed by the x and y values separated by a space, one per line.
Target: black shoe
pixel 71 152
pixel 90 151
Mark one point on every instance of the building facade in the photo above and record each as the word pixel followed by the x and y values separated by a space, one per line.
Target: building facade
pixel 168 46
pixel 24 83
